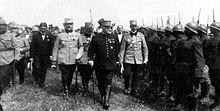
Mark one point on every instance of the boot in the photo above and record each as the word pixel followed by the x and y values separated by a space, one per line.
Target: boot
pixel 85 85
pixel 65 88
pixel 106 104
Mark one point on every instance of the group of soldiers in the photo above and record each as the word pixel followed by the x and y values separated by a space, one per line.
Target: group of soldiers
pixel 186 58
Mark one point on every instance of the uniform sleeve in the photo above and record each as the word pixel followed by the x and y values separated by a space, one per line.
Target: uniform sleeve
pixel 122 49
pixel 55 49
pixel 92 49
pixel 144 49
pixel 199 59
pixel 80 46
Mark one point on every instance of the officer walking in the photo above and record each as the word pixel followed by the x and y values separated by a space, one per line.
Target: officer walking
pixel 103 54
pixel 133 53
pixel 40 52
pixel 214 62
pixel 7 55
pixel 84 68
pixel 190 64
pixel 22 47
pixel 68 49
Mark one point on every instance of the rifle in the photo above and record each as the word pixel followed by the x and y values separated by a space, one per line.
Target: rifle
pixel 179 19
pixel 193 19
pixel 198 16
pixel 90 11
pixel 157 22
pixel 174 20
pixel 213 15
pixel 208 21
pixel 162 21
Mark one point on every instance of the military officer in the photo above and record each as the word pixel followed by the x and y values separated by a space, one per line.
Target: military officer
pixel 133 53
pixel 7 55
pixel 190 64
pixel 40 52
pixel 68 49
pixel 84 68
pixel 214 61
pixel 103 54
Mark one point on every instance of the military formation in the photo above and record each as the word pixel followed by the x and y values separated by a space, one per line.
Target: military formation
pixel 186 59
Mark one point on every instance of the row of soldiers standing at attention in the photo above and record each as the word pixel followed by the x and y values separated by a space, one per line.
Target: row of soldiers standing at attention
pixel 186 57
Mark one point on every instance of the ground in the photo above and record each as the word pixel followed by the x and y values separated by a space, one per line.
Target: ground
pixel 28 97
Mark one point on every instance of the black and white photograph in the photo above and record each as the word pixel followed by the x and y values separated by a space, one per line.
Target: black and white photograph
pixel 109 55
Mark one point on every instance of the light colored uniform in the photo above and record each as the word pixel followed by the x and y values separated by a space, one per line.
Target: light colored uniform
pixel 67 46
pixel 7 45
pixel 133 49
pixel 22 47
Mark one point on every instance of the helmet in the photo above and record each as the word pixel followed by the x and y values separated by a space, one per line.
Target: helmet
pixel 192 26
pixel 169 28
pixel 215 25
pixel 178 28
pixel 203 28
pixel 161 29
pixel 35 28
pixel 153 27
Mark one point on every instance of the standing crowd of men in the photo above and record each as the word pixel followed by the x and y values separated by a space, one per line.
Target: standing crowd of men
pixel 187 58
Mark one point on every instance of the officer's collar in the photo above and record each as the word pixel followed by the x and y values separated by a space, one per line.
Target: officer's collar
pixel 133 33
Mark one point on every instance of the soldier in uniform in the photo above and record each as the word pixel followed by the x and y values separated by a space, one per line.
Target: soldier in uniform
pixel 84 68
pixel 7 55
pixel 178 33
pixel 40 52
pixel 214 61
pixel 190 64
pixel 103 54
pixel 133 53
pixel 22 47
pixel 154 60
pixel 67 51
pixel 206 83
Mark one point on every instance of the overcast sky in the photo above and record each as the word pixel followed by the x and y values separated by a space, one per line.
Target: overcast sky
pixel 33 12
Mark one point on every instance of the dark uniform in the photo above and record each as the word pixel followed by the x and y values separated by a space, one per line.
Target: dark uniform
pixel 214 61
pixel 178 33
pixel 153 57
pixel 206 83
pixel 103 50
pixel 40 51
pixel 190 64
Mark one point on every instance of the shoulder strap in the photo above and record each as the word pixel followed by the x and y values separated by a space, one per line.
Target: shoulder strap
pixel 3 43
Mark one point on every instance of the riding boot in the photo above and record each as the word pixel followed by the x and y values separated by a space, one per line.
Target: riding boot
pixel 106 104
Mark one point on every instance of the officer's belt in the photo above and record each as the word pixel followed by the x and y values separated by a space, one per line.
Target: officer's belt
pixel 6 49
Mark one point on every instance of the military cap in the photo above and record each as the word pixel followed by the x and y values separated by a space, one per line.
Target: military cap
pixel 203 28
pixel 161 29
pixel 178 28
pixel 43 24
pixel 133 22
pixel 68 21
pixel 106 23
pixel 2 21
pixel 88 25
pixel 192 26
pixel 215 25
